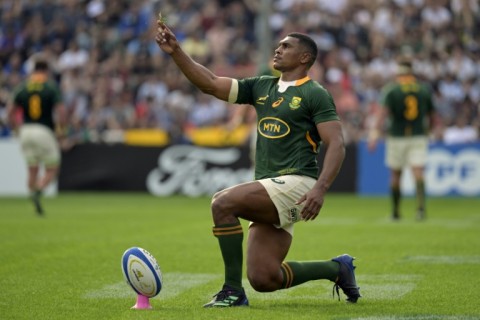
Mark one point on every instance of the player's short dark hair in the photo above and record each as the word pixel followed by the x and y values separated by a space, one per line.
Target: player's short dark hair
pixel 40 65
pixel 407 63
pixel 404 65
pixel 309 44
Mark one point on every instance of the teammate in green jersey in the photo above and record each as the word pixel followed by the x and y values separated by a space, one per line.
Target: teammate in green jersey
pixel 294 113
pixel 407 104
pixel 38 98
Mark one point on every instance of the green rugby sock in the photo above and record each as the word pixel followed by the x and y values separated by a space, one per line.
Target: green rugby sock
pixel 295 273
pixel 395 192
pixel 230 238
pixel 420 195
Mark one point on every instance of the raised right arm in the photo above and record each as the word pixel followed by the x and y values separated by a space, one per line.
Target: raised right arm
pixel 200 76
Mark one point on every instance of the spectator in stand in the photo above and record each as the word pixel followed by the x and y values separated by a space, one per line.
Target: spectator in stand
pixel 461 131
pixel 134 20
pixel 145 115
pixel 75 87
pixel 219 36
pixel 15 65
pixel 73 57
pixel 207 111
pixel 121 112
pixel 451 88
pixel 152 86
pixel 435 15
pixel 142 46
pixel 460 64
pixel 197 46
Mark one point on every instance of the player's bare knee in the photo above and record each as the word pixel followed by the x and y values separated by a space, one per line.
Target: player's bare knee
pixel 221 207
pixel 218 203
pixel 262 282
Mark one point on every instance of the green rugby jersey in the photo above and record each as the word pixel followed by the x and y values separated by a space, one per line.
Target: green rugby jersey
pixel 409 102
pixel 287 140
pixel 37 96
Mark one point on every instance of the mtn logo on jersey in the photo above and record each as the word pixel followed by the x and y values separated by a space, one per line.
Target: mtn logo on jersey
pixel 273 128
pixel 295 103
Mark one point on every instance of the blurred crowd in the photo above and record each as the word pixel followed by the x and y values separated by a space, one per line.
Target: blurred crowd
pixel 114 77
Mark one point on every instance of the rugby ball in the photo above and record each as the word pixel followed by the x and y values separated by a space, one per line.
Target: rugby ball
pixel 141 271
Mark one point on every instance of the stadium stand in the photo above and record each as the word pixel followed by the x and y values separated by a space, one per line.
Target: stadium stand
pixel 115 79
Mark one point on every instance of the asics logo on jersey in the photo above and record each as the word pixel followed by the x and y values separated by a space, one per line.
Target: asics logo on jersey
pixel 278 102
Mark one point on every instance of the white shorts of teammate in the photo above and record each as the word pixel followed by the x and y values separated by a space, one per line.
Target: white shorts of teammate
pixel 39 145
pixel 285 191
pixel 406 151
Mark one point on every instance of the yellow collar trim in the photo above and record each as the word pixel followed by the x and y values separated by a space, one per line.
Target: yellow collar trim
pixel 302 81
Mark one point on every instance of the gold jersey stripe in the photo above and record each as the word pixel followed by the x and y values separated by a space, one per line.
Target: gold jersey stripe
pixel 310 140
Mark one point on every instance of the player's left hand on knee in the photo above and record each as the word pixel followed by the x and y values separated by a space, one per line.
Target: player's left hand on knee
pixel 311 208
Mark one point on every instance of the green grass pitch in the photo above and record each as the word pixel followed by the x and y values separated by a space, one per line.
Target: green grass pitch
pixel 67 264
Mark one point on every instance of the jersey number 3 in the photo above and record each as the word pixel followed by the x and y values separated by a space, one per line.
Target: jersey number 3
pixel 35 107
pixel 411 107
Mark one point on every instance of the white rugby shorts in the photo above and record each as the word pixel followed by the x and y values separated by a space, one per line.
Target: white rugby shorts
pixel 39 145
pixel 285 192
pixel 406 151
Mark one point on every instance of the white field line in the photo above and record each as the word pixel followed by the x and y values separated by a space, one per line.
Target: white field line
pixel 372 287
pixel 443 259
pixel 419 317
pixel 173 284
pixel 407 220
